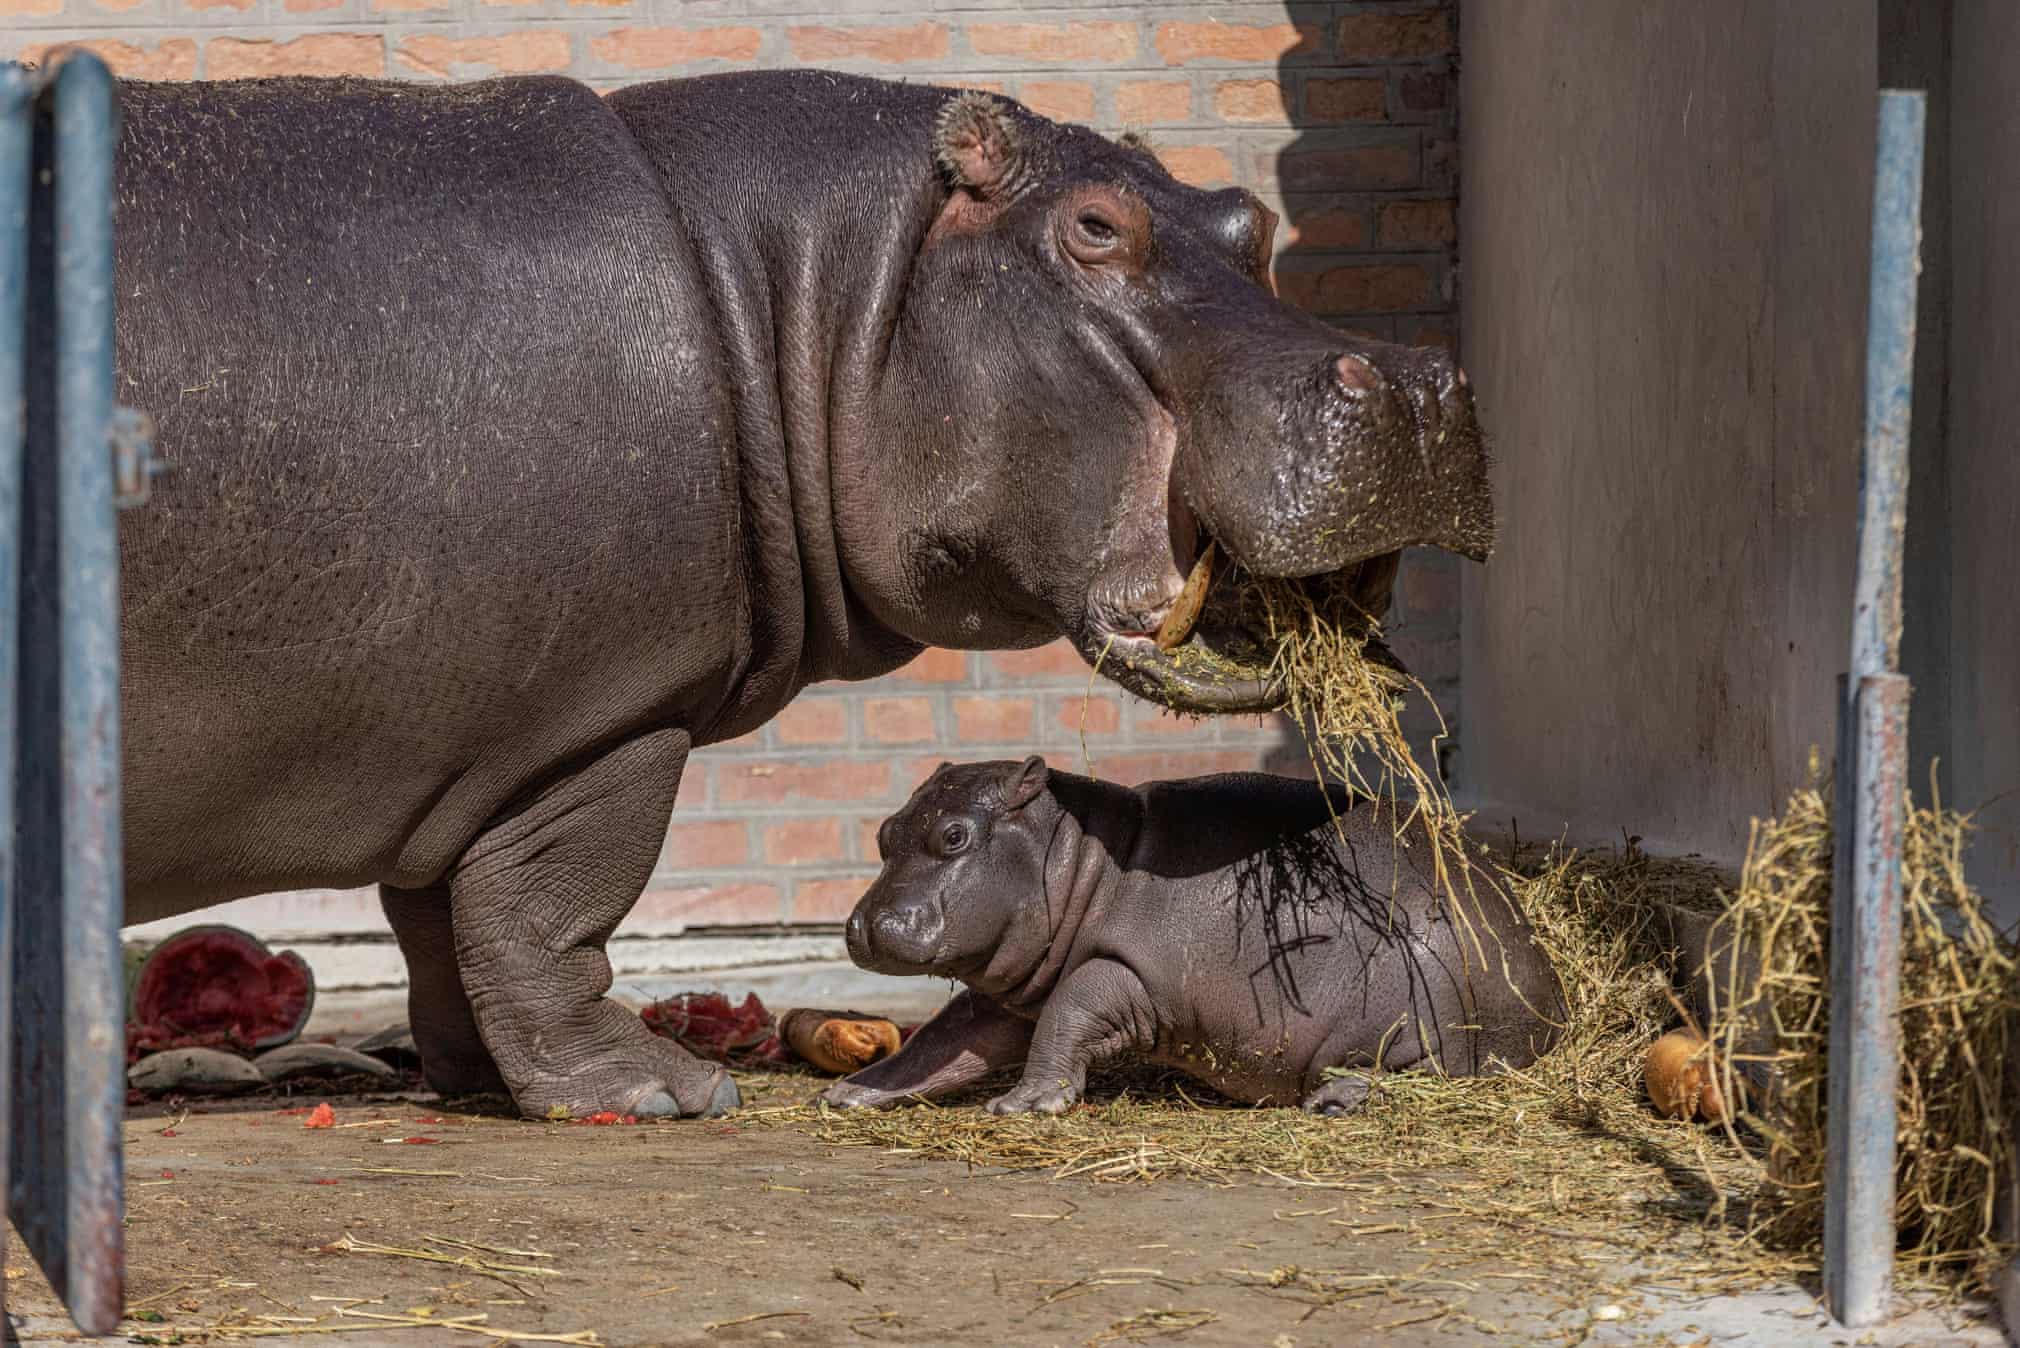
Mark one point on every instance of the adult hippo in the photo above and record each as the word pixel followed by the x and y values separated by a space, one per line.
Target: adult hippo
pixel 522 440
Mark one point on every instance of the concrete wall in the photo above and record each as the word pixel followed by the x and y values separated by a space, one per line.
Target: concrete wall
pixel 1983 439
pixel 1666 214
pixel 1338 114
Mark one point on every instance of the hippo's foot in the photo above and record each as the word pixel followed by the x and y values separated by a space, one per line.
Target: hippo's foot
pixel 969 1038
pixel 454 1060
pixel 619 1066
pixel 1037 1097
pixel 533 901
pixel 1341 1095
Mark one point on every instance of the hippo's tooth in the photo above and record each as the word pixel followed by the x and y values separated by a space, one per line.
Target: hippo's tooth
pixel 1178 624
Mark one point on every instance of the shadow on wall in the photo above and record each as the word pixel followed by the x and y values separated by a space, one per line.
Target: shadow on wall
pixel 1368 198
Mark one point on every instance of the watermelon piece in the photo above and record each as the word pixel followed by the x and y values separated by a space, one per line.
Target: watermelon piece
pixel 217 987
pixel 707 1025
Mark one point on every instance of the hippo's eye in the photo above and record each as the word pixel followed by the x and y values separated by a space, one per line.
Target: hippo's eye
pixel 953 837
pixel 1096 230
pixel 1094 235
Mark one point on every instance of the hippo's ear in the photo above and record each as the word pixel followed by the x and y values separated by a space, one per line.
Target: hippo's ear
pixel 977 145
pixel 1022 783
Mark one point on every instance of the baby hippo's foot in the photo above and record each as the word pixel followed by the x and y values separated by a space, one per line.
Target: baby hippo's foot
pixel 1055 1096
pixel 1341 1095
pixel 847 1094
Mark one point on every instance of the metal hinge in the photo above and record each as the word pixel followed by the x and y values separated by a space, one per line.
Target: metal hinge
pixel 133 461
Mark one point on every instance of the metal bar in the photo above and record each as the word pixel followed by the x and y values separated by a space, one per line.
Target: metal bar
pixel 65 1167
pixel 17 92
pixel 1865 1066
pixel 1864 1069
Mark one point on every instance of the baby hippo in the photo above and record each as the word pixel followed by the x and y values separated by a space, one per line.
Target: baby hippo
pixel 1226 926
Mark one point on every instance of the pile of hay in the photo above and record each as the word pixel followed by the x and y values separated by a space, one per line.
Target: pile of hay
pixel 1958 1001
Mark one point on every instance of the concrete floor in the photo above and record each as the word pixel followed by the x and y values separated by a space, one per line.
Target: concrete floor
pixel 668 1233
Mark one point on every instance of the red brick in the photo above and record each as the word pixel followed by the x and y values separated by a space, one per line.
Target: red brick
pixel 1061 100
pixel 813 720
pixel 1057 659
pixel 1394 37
pixel 772 781
pixel 1200 165
pixel 1347 168
pixel 407 6
pixel 1327 227
pixel 1150 102
pixel 229 58
pixel 1373 288
pixel 993 720
pixel 1095 715
pixel 1248 43
pixel 693 792
pixel 1417 224
pixel 658 48
pixel 708 844
pixel 174 59
pixel 239 5
pixel 866 838
pixel 1250 101
pixel 310 6
pixel 705 905
pixel 935 665
pixel 916 771
pixel 1149 719
pixel 520 53
pixel 898 720
pixel 1425 91
pixel 1355 100
pixel 1078 42
pixel 30 8
pixel 890 45
pixel 827 900
pixel 796 842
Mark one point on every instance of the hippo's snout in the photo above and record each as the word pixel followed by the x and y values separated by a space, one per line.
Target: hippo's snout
pixel 901 936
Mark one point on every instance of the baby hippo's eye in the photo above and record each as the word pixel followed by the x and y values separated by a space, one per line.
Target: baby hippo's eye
pixel 953 837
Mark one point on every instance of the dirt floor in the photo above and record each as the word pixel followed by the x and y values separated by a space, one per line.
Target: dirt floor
pixel 740 1231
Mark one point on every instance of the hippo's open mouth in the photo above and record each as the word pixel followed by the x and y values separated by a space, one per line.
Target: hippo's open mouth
pixel 1212 648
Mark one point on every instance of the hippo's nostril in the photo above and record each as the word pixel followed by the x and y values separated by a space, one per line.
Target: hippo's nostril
pixel 1356 376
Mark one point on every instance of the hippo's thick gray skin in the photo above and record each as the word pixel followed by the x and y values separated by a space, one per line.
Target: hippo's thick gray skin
pixel 1221 925
pixel 520 441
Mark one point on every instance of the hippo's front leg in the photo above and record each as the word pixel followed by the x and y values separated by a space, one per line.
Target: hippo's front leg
pixel 968 1039
pixel 1099 1010
pixel 534 899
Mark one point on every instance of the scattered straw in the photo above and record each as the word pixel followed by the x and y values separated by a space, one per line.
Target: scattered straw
pixel 1147 1325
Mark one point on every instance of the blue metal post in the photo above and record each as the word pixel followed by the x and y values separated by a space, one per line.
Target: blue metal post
pixel 1864 1067
pixel 17 94
pixel 68 1039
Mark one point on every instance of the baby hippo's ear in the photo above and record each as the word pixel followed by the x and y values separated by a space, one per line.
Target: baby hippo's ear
pixel 1023 783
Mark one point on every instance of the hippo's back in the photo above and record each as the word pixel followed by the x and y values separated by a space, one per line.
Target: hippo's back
pixel 448 454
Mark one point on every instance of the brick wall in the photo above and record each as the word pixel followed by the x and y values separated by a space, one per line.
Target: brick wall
pixel 1339 114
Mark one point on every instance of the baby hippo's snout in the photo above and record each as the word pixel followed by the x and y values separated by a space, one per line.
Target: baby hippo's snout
pixel 894 934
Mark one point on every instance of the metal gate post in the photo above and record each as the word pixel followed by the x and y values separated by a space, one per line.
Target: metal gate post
pixel 67 1037
pixel 17 93
pixel 1871 790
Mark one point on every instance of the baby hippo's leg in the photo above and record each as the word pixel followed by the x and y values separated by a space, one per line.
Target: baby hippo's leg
pixel 1101 1009
pixel 1340 1095
pixel 969 1038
